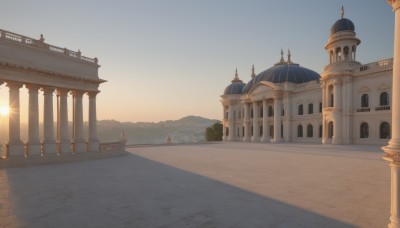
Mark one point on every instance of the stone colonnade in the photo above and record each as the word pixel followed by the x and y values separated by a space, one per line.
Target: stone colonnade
pixel 252 134
pixel 61 141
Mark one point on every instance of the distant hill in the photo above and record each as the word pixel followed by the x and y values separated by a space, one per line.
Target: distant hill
pixel 186 129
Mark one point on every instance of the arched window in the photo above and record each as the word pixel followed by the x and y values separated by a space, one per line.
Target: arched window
pixel 384 99
pixel 320 131
pixel 251 113
pixel 331 56
pixel 238 132
pixel 261 130
pixel 243 131
pixel 338 54
pixel 226 113
pixel 270 111
pixel 300 131
pixel 310 131
pixel 239 115
pixel 330 95
pixel 320 107
pixel 346 53
pixel 261 112
pixel 330 129
pixel 271 131
pixel 227 131
pixel 364 130
pixel 310 108
pixel 251 130
pixel 384 130
pixel 283 112
pixel 364 101
pixel 300 110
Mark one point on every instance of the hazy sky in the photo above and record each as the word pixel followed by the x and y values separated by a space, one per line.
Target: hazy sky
pixel 167 59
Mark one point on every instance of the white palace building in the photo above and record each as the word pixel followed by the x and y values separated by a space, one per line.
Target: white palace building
pixel 54 73
pixel 349 103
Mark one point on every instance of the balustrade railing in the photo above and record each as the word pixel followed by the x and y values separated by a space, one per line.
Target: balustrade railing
pixel 363 110
pixel 382 108
pixel 112 146
pixel 40 43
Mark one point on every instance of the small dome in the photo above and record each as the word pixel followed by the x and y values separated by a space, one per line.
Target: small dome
pixel 287 72
pixel 235 87
pixel 342 25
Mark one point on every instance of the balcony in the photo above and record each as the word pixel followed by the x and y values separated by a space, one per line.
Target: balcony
pixel 382 108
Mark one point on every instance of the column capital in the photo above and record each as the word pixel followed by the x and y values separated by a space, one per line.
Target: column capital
pixel 32 87
pixel 14 85
pixel 62 91
pixel 77 93
pixel 48 89
pixel 277 95
pixel 394 3
pixel 92 94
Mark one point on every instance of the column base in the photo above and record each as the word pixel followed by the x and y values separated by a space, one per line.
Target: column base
pixel 246 139
pixel 337 141
pixel 255 139
pixel 15 149
pixel 34 149
pixel 78 147
pixel 265 139
pixel 276 140
pixel 93 146
pixel 49 148
pixel 64 147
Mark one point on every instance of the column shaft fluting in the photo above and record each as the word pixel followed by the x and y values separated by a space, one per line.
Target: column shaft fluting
pixel 93 142
pixel 33 144
pixel 277 119
pixel 78 139
pixel 265 135
pixel 15 145
pixel 49 142
pixel 63 138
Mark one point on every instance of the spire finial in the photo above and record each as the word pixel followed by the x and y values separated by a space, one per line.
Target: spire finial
pixel 342 11
pixel 236 78
pixel 236 74
pixel 253 74
pixel 282 59
pixel 288 56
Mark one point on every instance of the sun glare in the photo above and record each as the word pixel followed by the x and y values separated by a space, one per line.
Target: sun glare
pixel 4 110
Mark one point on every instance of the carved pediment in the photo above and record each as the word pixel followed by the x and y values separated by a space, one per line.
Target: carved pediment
pixel 364 89
pixel 383 86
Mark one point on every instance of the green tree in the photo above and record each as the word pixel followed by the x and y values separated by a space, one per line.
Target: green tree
pixel 214 133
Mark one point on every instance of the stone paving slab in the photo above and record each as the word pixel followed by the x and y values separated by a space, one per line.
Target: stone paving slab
pixel 215 185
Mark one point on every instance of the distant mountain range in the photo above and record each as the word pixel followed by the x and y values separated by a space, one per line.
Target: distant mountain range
pixel 186 129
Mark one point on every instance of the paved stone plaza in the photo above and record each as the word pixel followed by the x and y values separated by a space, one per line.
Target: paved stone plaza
pixel 210 185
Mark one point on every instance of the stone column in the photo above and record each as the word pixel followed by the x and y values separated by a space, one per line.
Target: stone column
pixel 265 136
pixel 231 126
pixel 14 144
pixel 49 142
pixel 246 137
pixel 93 144
pixel 287 106
pixel 63 139
pixel 224 120
pixel 33 144
pixel 78 140
pixel 277 119
pixel 256 130
pixel 392 150
pixel 337 115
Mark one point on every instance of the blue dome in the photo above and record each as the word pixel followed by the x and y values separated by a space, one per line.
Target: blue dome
pixel 342 25
pixel 283 73
pixel 235 87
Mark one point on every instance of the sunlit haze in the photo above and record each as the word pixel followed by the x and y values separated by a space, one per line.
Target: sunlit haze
pixel 169 59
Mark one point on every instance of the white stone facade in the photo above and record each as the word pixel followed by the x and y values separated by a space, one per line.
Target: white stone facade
pixel 58 73
pixel 350 103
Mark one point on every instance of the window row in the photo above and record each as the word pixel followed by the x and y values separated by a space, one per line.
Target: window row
pixel 384 130
pixel 300 109
pixel 310 131
pixel 383 100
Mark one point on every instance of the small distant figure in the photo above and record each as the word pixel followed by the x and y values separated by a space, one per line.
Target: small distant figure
pixel 123 139
pixel 168 140
pixel 41 38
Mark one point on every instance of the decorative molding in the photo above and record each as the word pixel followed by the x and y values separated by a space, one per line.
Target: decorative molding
pixel 364 89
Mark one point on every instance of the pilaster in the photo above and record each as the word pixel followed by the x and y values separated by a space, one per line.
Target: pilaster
pixel 265 136
pixel 92 143
pixel 63 140
pixel 78 140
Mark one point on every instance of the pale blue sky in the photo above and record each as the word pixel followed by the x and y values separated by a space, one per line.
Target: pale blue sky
pixel 168 59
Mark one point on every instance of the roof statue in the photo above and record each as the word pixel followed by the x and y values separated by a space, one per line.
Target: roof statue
pixel 282 59
pixel 288 56
pixel 342 11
